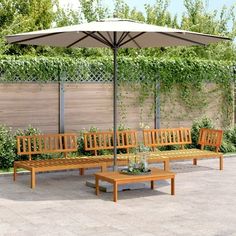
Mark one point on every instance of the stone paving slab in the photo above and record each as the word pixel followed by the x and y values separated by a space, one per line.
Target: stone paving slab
pixel 61 204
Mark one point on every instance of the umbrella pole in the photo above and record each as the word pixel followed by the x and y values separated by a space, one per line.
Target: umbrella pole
pixel 115 49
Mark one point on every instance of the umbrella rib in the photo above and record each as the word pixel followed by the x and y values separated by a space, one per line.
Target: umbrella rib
pixel 97 38
pixel 178 37
pixel 105 39
pixel 37 37
pixel 109 36
pixel 122 37
pixel 131 39
pixel 79 40
pixel 134 41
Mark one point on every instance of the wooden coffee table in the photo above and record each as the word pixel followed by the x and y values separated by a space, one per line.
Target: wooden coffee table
pixel 117 178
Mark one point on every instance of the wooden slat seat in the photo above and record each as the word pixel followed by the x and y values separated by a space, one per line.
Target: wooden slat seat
pixel 182 136
pixel 52 143
pixel 126 139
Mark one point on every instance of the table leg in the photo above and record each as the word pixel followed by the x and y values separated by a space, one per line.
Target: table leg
pixel 97 185
pixel 32 178
pixel 103 168
pixel 81 170
pixel 195 162
pixel 152 184
pixel 221 162
pixel 173 186
pixel 15 172
pixel 115 192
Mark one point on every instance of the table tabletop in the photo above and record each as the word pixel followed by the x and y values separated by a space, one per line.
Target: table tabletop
pixel 117 176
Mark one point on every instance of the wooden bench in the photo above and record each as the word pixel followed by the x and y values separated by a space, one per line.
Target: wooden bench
pixel 126 139
pixel 51 143
pixel 182 136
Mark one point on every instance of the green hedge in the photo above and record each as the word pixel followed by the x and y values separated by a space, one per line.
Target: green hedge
pixel 7 147
pixel 168 71
pixel 8 151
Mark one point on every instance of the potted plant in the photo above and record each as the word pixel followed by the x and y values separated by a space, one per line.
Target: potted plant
pixel 138 165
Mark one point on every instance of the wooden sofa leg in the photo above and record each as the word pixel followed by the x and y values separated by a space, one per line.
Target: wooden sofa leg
pixel 81 171
pixel 15 172
pixel 103 168
pixel 33 178
pixel 166 165
pixel 221 162
pixel 195 162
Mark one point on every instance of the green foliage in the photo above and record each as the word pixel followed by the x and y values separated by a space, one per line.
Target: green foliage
pixel 229 135
pixel 8 152
pixel 93 10
pixel 203 122
pixel 80 140
pixel 7 147
pixel 28 132
pixel 229 141
pixel 22 16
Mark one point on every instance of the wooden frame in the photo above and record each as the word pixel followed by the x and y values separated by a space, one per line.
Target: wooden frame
pixel 117 178
pixel 46 143
pixel 164 137
pixel 103 140
pixel 52 143
pixel 126 139
pixel 181 136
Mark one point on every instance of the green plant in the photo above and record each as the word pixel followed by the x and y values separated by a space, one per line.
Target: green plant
pixel 137 167
pixel 203 122
pixel 7 147
pixel 227 146
pixel 80 141
pixel 28 132
pixel 229 141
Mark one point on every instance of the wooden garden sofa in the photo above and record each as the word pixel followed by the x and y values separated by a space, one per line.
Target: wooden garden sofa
pixel 51 143
pixel 181 136
pixel 126 139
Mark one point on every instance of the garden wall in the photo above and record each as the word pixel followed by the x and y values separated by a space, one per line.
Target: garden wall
pixel 90 104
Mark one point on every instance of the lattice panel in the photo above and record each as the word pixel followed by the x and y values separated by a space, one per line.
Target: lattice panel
pixel 84 74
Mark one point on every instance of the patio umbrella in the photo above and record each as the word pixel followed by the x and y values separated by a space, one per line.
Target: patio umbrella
pixel 114 33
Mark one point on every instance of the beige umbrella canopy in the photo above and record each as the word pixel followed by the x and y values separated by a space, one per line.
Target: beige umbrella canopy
pixel 129 34
pixel 114 33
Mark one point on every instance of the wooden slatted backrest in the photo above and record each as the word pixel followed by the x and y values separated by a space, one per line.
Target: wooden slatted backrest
pixel 46 143
pixel 164 137
pixel 210 137
pixel 103 140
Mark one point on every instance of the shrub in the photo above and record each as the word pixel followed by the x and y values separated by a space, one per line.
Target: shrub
pixel 80 141
pixel 229 141
pixel 230 136
pixel 7 147
pixel 203 122
pixel 227 146
pixel 28 132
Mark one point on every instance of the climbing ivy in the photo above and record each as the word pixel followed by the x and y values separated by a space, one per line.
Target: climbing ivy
pixel 140 74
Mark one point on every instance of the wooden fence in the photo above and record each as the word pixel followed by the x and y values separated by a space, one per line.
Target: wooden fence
pixel 89 104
